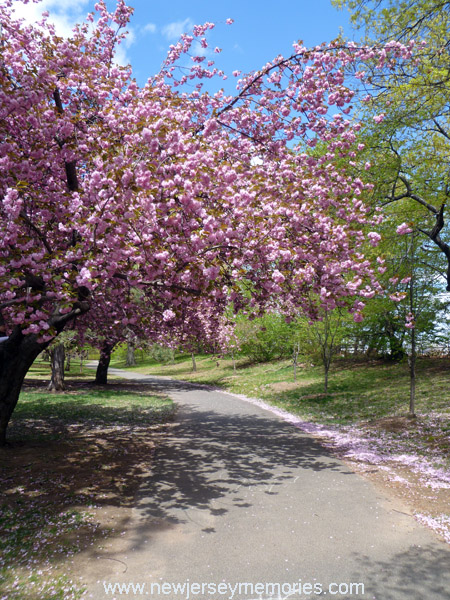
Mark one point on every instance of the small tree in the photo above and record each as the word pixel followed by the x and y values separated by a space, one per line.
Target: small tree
pixel 323 337
pixel 264 338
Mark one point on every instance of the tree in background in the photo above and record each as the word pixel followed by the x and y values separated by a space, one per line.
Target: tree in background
pixel 323 338
pixel 265 338
pixel 406 114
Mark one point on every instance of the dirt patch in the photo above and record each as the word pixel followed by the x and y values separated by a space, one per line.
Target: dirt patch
pixel 283 386
pixel 394 424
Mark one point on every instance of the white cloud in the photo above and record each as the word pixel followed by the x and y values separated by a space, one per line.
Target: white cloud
pixel 150 27
pixel 173 31
pixel 121 57
pixel 198 50
pixel 63 13
pixel 130 38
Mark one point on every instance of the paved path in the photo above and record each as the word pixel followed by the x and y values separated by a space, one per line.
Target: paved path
pixel 236 495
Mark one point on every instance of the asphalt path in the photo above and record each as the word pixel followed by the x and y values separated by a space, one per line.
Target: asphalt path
pixel 238 497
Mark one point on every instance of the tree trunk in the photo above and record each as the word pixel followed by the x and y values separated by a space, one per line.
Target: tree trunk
pixel 68 357
pixel 17 354
pixel 412 358
pixel 101 376
pixel 131 358
pixel 57 381
pixel 412 375
pixel 327 358
pixel 194 364
pixel 295 359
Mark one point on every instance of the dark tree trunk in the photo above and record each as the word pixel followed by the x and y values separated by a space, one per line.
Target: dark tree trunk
pixel 101 376
pixel 131 357
pixel 57 381
pixel 81 360
pixel 17 354
pixel 413 357
pixel 327 358
pixel 412 375
pixel 295 359
pixel 325 380
pixel 68 357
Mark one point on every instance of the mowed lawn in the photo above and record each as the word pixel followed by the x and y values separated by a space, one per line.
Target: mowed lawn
pixel 358 390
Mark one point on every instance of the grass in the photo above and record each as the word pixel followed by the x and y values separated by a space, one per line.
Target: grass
pixel 70 456
pixel 357 390
pixel 91 407
pixel 41 371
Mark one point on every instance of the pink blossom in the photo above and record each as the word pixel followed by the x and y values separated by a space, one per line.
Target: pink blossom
pixel 397 296
pixel 168 315
pixel 84 277
pixel 403 229
pixel 374 238
pixel 410 323
pixel 165 209
pixel 277 276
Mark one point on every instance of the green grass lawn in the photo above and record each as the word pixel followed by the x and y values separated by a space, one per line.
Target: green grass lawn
pixel 93 406
pixel 41 370
pixel 358 391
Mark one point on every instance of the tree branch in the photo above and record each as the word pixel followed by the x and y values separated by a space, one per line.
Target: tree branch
pixel 37 231
pixel 71 168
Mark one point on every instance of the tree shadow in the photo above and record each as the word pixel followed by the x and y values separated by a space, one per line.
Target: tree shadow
pixel 110 462
pixel 209 454
pixel 419 573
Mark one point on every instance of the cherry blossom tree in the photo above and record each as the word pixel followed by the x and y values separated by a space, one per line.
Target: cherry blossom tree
pixel 116 198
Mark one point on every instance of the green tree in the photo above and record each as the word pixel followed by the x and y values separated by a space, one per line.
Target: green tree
pixel 406 115
pixel 323 338
pixel 264 338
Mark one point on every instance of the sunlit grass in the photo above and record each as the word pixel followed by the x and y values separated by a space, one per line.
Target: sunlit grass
pixel 79 371
pixel 357 391
pixel 91 405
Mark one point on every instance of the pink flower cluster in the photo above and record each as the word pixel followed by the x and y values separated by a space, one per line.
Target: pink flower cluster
pixel 157 207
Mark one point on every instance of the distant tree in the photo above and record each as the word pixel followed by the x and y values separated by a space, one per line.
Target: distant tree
pixel 406 115
pixel 264 338
pixel 323 338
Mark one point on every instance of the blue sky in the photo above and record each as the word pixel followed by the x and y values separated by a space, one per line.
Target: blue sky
pixel 261 30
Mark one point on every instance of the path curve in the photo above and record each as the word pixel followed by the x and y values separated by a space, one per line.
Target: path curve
pixel 236 495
